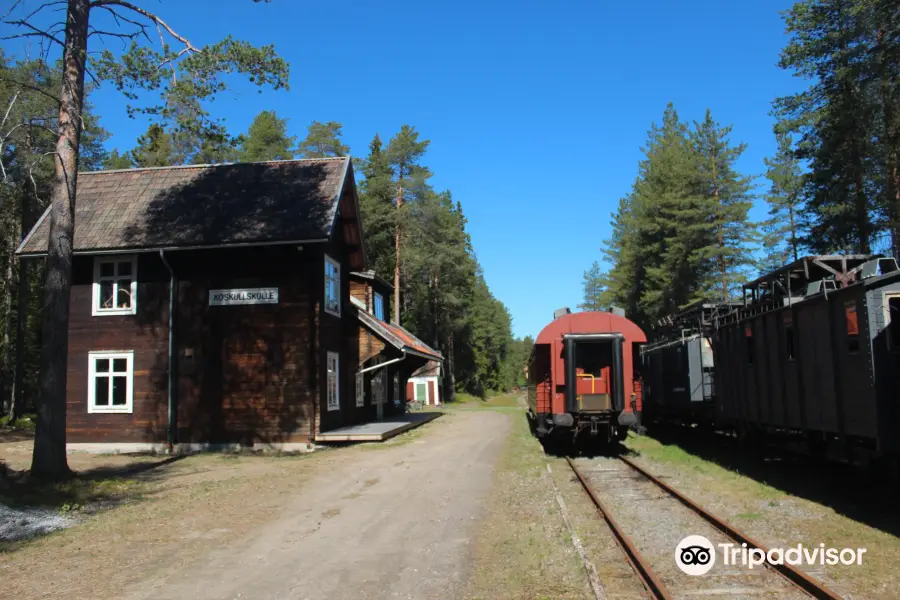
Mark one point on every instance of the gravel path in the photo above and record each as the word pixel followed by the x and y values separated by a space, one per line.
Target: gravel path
pixel 397 523
pixel 656 524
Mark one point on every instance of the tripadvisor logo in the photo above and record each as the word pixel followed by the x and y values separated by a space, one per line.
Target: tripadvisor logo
pixel 695 555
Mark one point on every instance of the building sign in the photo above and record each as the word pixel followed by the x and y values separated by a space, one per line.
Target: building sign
pixel 243 296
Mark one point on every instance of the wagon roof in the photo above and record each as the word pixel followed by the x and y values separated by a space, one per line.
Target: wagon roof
pixel 590 322
pixel 203 206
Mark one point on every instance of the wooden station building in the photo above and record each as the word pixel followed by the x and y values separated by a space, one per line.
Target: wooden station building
pixel 224 306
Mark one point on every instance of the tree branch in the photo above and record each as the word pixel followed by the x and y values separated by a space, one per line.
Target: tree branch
pixel 36 32
pixel 148 15
pixel 117 18
pixel 31 87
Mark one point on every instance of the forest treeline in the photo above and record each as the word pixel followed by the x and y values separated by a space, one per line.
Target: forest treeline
pixel 683 232
pixel 444 297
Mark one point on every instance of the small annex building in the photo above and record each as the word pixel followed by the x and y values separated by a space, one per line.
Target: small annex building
pixel 424 384
pixel 211 307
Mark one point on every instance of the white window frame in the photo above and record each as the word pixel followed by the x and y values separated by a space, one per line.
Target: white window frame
pixel 337 285
pixel 96 309
pixel 360 390
pixel 375 306
pixel 333 381
pixel 110 355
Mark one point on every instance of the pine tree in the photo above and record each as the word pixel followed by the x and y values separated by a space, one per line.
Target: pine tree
pixel 154 149
pixel 117 161
pixel 404 153
pixel 718 220
pixel 376 198
pixel 267 139
pixel 323 140
pixel 593 288
pixel 836 119
pixel 669 232
pixel 781 242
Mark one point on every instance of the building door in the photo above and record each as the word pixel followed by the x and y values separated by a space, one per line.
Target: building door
pixel 379 393
pixel 421 392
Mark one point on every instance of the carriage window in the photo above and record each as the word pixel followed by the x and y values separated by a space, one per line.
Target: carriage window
pixel 789 343
pixel 893 304
pixel 751 349
pixel 852 327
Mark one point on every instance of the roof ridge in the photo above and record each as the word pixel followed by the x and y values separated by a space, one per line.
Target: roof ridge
pixel 210 165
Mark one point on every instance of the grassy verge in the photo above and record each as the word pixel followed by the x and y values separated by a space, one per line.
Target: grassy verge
pixel 523 550
pixel 783 514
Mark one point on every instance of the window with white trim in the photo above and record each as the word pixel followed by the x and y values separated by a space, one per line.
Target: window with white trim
pixel 379 306
pixel 111 382
pixel 360 389
pixel 332 286
pixel 333 381
pixel 115 285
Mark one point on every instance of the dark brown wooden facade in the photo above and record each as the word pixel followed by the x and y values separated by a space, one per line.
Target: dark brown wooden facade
pixel 245 374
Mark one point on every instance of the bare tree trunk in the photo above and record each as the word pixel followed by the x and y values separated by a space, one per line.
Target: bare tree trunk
pixel 793 231
pixel 892 187
pixel 7 318
pixel 720 235
pixel 25 214
pixel 451 371
pixel 49 457
pixel 397 258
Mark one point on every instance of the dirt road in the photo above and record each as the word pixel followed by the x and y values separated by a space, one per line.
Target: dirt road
pixel 396 523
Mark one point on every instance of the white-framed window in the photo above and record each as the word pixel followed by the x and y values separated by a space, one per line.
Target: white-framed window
pixel 332 286
pixel 115 285
pixel 379 306
pixel 333 381
pixel 360 389
pixel 111 381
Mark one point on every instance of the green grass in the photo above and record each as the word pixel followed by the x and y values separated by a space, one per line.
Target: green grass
pixel 23 423
pixel 670 454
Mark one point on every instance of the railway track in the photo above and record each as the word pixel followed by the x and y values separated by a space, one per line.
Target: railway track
pixel 648 518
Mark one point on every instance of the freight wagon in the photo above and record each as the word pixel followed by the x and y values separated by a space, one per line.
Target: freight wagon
pixel 584 378
pixel 678 369
pixel 814 357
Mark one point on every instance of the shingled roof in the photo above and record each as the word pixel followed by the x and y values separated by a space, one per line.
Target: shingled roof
pixel 199 206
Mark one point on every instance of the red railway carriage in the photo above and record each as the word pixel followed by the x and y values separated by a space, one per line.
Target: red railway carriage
pixel 583 376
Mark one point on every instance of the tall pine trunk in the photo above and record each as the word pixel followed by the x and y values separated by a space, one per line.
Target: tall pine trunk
pixel 892 184
pixel 25 212
pixel 720 236
pixel 794 242
pixel 7 318
pixel 397 258
pixel 49 457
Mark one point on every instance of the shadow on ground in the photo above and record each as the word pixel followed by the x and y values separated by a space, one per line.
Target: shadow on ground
pixel 862 494
pixel 94 488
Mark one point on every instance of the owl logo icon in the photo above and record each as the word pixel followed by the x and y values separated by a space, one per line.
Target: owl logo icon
pixel 695 555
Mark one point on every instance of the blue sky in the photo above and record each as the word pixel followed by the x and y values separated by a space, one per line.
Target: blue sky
pixel 536 110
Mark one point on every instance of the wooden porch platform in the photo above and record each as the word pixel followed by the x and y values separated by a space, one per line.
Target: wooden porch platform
pixel 377 431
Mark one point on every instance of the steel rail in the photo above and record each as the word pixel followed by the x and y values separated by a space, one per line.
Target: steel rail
pixel 648 577
pixel 814 588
